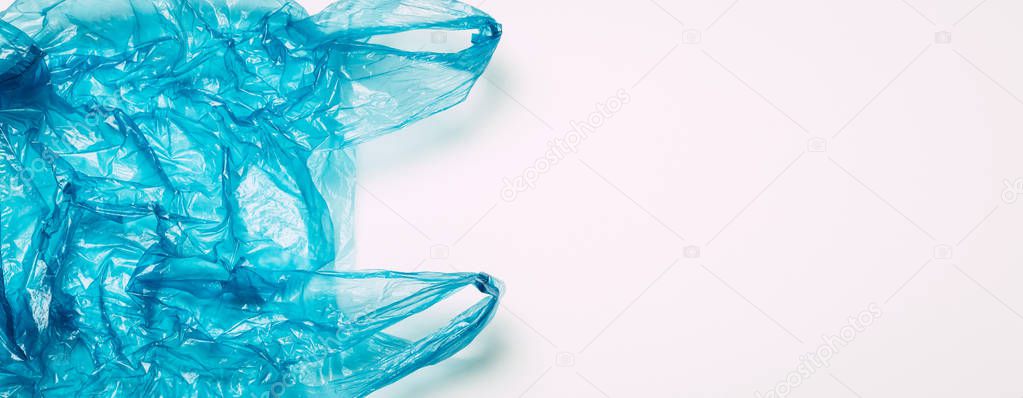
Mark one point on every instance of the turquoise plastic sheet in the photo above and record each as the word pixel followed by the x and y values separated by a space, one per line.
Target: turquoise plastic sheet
pixel 176 190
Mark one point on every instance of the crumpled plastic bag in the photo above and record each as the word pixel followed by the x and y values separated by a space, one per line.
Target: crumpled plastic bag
pixel 176 188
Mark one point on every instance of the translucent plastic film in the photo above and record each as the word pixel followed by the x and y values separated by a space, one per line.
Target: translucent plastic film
pixel 176 189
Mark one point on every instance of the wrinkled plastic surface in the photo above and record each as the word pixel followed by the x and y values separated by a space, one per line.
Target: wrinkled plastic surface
pixel 177 186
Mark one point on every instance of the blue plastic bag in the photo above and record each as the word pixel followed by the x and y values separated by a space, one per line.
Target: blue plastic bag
pixel 176 188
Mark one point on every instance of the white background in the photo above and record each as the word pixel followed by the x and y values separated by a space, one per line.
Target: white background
pixel 713 152
pixel 820 156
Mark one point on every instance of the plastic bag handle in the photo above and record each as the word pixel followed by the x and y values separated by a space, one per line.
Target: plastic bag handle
pixel 337 22
pixel 350 24
pixel 445 342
